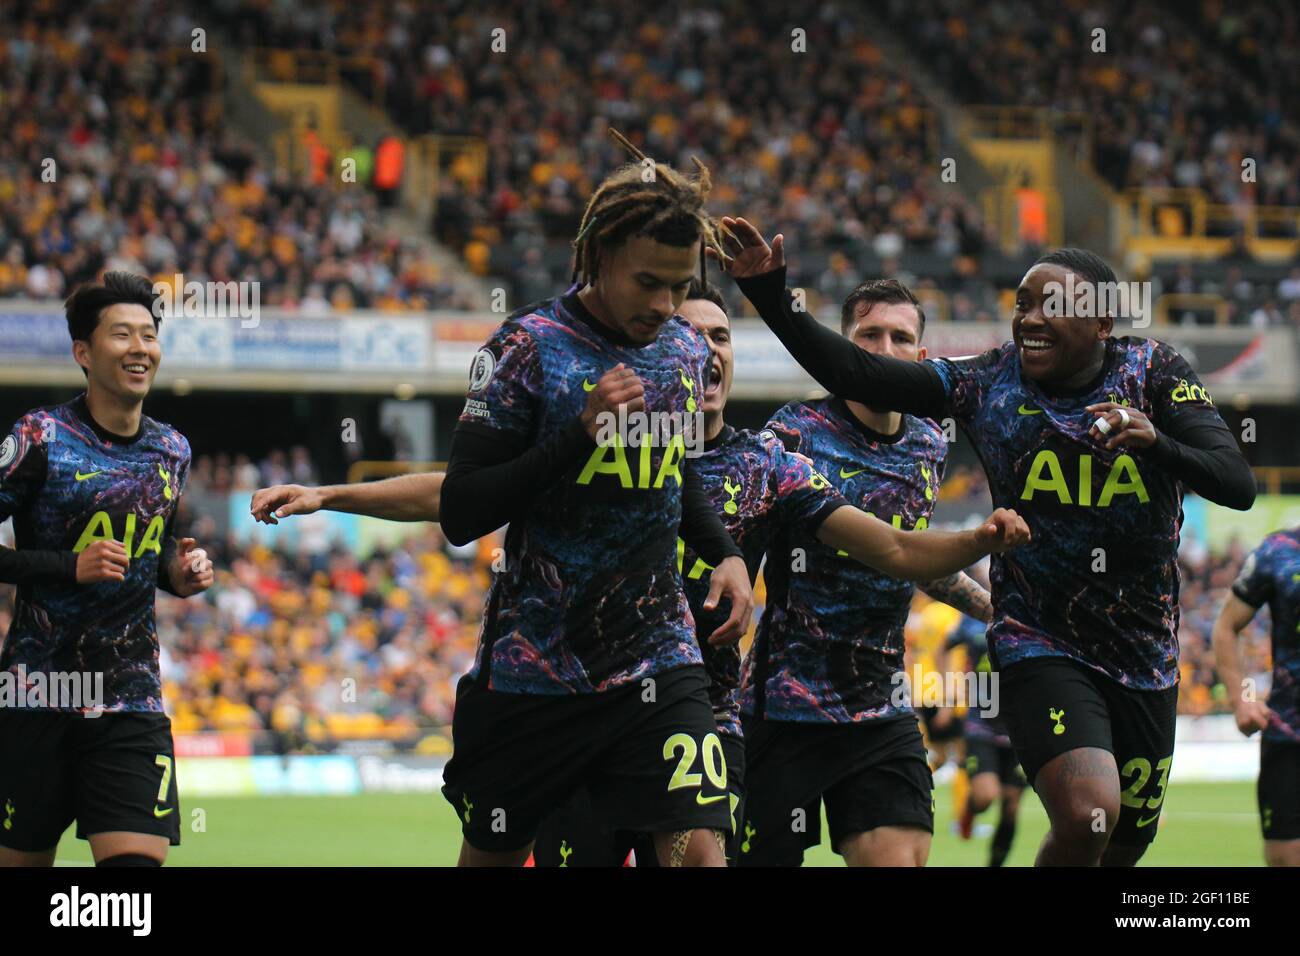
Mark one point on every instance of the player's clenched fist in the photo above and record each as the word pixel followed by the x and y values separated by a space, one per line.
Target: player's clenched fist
pixel 1251 715
pixel 191 570
pixel 1001 531
pixel 281 501
pixel 102 561
pixel 617 387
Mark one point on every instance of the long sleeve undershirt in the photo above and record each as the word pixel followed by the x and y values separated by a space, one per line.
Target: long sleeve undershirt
pixel 1197 449
pixel 30 566
pixel 490 482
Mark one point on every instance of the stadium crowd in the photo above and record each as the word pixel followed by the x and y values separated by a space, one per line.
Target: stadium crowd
pixel 840 156
pixel 117 156
pixel 325 646
pixel 1179 95
pixel 221 472
pixel 837 152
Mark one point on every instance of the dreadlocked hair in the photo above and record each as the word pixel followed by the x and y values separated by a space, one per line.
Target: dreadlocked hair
pixel 668 209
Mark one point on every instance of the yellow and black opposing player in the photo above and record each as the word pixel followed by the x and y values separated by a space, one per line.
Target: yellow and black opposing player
pixel 93 486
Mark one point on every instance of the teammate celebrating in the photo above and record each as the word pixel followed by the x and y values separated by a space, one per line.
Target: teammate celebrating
pixel 825 720
pixel 758 487
pixel 1270 575
pixel 1095 439
pixel 588 671
pixel 93 486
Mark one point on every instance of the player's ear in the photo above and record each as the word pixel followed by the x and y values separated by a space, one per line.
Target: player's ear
pixel 921 353
pixel 1105 325
pixel 81 354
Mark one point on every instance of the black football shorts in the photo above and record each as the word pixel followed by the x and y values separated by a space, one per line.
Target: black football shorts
pixel 651 762
pixel 870 774
pixel 1053 705
pixel 113 772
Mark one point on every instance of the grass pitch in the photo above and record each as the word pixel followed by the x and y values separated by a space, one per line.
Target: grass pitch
pixel 1207 824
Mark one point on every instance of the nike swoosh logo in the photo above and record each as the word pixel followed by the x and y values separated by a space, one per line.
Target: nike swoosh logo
pixel 850 474
pixel 1029 411
pixel 80 477
pixel 161 813
pixel 702 800
pixel 587 386
pixel 1143 823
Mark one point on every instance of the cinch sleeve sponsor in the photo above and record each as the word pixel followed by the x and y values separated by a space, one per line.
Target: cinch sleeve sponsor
pixel 1174 387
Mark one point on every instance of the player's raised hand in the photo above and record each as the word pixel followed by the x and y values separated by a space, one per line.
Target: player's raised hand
pixel 617 387
pixel 1252 715
pixel 730 579
pixel 748 253
pixel 281 501
pixel 102 561
pixel 1001 531
pixel 1124 426
pixel 191 570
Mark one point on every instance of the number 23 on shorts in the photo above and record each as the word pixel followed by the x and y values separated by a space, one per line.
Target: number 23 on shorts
pixel 1140 769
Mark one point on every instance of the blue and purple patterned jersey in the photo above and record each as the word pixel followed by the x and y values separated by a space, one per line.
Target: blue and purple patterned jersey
pixel 590 598
pixel 757 487
pixel 1099 582
pixel 68 483
pixel 831 638
pixel 1271 575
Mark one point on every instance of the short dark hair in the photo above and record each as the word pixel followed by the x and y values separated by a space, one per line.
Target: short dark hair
pixel 876 291
pixel 709 293
pixel 88 302
pixel 1081 262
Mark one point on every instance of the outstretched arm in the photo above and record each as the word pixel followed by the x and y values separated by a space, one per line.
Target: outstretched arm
pixel 838 365
pixel 403 498
pixel 919 557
